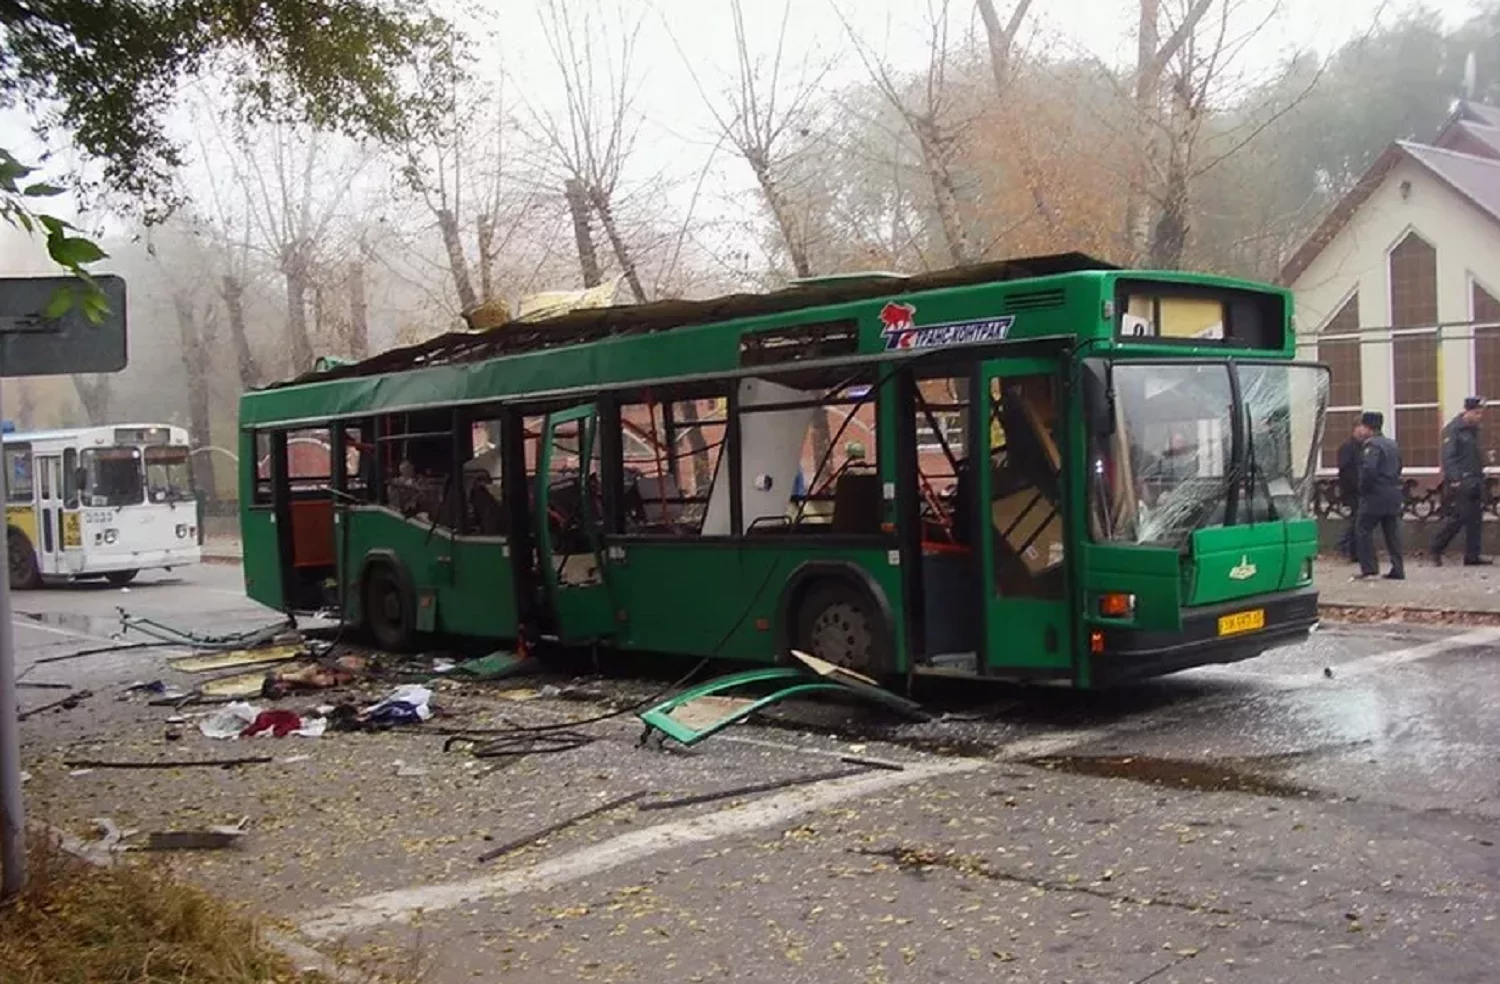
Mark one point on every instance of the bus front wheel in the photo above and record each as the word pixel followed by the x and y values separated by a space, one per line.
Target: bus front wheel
pixel 24 574
pixel 120 578
pixel 389 609
pixel 838 624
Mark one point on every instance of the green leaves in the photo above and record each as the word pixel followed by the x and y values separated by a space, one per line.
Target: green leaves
pixel 73 251
pixel 68 250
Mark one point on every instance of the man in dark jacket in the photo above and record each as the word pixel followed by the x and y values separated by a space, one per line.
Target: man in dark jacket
pixel 1349 458
pixel 1379 498
pixel 1463 483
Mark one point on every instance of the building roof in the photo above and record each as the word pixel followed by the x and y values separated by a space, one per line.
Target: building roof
pixel 1465 156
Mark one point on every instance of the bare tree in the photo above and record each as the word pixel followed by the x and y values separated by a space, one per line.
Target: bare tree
pixel 926 108
pixel 197 328
pixel 93 393
pixel 1001 37
pixel 1152 57
pixel 597 133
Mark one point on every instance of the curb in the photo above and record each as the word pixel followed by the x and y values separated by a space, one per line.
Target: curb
pixel 235 559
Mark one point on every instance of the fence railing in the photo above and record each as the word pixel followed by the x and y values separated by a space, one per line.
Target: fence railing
pixel 1419 500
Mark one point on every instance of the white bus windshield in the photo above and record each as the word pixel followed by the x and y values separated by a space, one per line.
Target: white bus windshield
pixel 112 476
pixel 169 477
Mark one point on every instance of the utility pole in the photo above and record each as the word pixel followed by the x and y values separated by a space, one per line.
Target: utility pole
pixel 12 810
pixel 35 343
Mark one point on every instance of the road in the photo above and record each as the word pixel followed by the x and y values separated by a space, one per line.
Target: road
pixel 1328 811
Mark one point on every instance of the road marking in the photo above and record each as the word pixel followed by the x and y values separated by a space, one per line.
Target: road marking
pixel 26 623
pixel 402 904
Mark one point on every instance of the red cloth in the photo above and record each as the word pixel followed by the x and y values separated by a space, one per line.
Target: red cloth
pixel 279 723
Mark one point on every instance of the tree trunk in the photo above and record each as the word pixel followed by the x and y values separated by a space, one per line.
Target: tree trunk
pixel 197 361
pixel 234 303
pixel 359 312
pixel 25 405
pixel 296 316
pixel 617 243
pixel 1147 108
pixel 93 393
pixel 457 262
pixel 588 257
pixel 486 233
pixel 935 161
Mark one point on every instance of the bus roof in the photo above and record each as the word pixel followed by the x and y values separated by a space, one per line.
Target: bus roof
pixel 593 324
pixel 75 433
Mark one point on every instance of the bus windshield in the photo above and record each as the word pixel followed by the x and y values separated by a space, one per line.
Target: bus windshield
pixel 1168 467
pixel 112 476
pixel 169 477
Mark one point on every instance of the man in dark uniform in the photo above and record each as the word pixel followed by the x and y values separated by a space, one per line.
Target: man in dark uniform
pixel 1463 481
pixel 1379 498
pixel 1349 457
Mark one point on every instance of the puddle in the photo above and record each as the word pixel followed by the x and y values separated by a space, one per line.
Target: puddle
pixel 1174 774
pixel 106 626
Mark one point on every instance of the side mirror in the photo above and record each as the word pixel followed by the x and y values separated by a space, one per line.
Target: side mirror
pixel 81 478
pixel 1098 399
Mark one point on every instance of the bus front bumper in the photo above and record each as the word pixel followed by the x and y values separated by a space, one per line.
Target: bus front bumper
pixel 1133 654
pixel 145 560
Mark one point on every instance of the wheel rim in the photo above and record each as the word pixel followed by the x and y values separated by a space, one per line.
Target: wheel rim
pixel 841 635
pixel 385 609
pixel 20 562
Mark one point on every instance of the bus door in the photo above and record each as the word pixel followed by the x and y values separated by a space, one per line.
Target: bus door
pixel 1022 537
pixel 567 523
pixel 51 516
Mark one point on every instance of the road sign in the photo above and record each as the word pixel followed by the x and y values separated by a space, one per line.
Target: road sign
pixel 32 344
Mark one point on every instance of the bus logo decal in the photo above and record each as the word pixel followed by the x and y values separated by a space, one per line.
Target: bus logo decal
pixel 1243 571
pixel 900 329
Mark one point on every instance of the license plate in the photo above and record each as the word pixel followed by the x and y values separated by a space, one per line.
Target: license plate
pixel 1242 622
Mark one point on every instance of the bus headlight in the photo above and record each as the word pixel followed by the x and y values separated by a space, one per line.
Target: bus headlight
pixel 182 531
pixel 110 536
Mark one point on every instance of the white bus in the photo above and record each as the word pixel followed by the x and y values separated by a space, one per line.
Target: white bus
pixel 99 502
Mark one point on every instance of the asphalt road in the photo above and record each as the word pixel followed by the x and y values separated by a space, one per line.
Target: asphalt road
pixel 1328 811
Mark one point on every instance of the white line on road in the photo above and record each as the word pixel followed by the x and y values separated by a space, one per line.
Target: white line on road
pixel 26 623
pixel 404 903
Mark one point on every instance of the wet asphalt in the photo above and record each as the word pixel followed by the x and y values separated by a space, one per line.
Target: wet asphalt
pixel 1325 811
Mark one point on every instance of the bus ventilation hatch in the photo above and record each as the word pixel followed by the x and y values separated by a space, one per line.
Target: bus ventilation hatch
pixel 1033 300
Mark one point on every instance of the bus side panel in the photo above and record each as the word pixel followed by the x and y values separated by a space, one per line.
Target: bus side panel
pixel 262 557
pixel 471 579
pixel 720 597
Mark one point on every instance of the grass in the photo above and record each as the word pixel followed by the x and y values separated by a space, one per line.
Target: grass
pixel 130 924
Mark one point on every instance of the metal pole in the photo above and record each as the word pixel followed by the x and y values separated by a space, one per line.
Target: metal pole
pixel 12 813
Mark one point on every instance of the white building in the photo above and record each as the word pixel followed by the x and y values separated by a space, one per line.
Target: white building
pixel 1398 290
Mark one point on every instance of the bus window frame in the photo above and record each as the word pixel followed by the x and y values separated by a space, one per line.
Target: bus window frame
pixel 12 451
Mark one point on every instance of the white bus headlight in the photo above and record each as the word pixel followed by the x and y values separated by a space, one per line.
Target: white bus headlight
pixel 110 536
pixel 182 531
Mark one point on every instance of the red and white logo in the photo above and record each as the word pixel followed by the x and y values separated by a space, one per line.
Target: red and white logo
pixel 899 321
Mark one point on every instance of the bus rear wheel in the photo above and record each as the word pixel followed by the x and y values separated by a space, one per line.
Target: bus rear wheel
pixel 389 609
pixel 838 624
pixel 120 578
pixel 24 574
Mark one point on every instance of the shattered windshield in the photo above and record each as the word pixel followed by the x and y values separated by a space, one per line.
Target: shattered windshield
pixel 1165 470
pixel 1284 418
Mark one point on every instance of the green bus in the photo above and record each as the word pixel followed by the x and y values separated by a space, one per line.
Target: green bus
pixel 752 474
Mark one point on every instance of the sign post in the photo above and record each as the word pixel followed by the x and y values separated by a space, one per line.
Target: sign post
pixel 33 344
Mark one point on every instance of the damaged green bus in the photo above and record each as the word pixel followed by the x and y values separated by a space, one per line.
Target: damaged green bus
pixel 1044 468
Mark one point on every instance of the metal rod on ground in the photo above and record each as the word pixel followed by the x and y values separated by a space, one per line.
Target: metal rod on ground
pixel 760 787
pixel 12 811
pixel 537 835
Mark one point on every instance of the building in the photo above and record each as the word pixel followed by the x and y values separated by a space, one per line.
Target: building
pixel 1398 290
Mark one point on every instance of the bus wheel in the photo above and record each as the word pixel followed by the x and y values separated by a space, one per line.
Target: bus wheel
pixel 389 609
pixel 838 624
pixel 120 578
pixel 24 574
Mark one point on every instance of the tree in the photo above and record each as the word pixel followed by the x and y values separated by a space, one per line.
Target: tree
pixel 596 134
pixel 108 74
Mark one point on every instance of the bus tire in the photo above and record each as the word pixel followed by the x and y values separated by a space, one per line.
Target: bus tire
pixel 389 608
pixel 120 578
pixel 839 624
pixel 24 573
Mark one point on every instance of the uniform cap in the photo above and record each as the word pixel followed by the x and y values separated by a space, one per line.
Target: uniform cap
pixel 1372 419
pixel 1473 403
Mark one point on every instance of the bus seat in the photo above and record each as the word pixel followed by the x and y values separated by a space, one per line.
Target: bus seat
pixel 857 503
pixel 312 533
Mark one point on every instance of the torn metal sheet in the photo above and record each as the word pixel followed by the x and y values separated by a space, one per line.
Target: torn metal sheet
pixel 793 681
pixel 238 685
pixel 862 685
pixel 236 657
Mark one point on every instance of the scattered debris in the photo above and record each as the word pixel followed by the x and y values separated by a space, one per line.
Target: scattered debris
pixel 443 666
pixel 207 839
pixel 322 675
pixel 293 759
pixel 241 720
pixel 762 787
pixel 404 771
pixel 229 721
pixel 408 704
pixel 238 685
pixel 496 665
pixel 34 685
pixel 535 836
pixel 873 763
pixel 235 657
pixel 66 704
pixel 227 763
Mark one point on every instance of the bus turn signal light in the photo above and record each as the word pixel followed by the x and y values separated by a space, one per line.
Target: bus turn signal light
pixel 1116 605
pixel 1096 642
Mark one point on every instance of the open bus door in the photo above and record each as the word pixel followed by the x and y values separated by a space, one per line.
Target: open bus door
pixel 1018 405
pixel 568 514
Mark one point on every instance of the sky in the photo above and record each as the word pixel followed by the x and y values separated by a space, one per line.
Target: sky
pixel 677 139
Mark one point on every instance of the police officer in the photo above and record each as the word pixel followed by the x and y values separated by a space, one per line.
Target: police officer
pixel 1463 481
pixel 1379 497
pixel 1350 453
